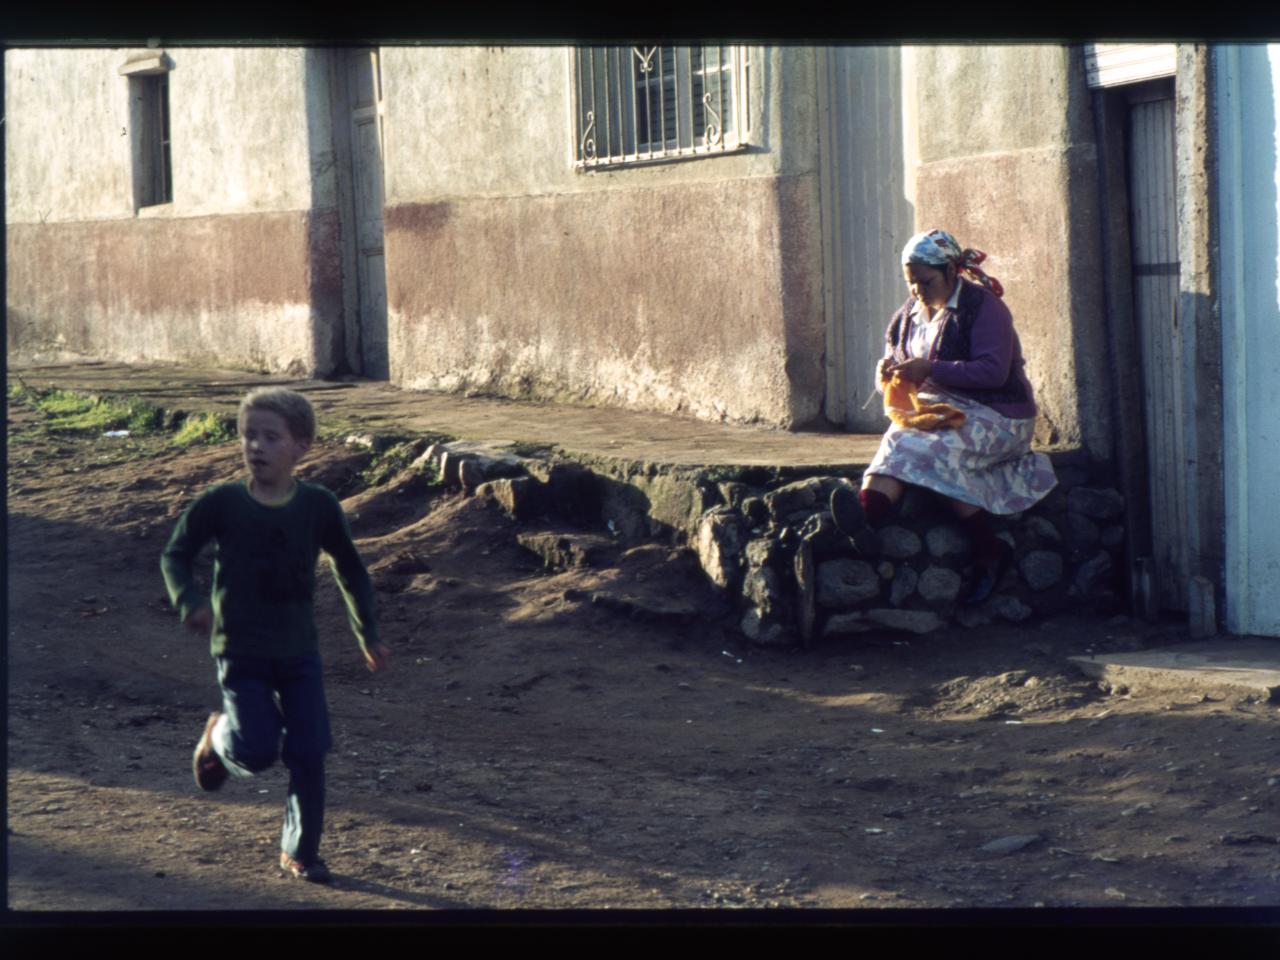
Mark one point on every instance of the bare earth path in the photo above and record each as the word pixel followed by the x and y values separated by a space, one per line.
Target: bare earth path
pixel 531 748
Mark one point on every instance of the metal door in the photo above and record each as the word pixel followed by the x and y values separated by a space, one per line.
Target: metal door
pixel 1154 241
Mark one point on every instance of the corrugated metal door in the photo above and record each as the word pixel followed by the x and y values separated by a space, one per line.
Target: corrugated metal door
pixel 1154 239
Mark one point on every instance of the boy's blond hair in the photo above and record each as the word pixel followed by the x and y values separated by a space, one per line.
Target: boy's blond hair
pixel 293 407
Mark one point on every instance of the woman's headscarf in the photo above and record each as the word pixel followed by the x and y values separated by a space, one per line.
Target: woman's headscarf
pixel 937 248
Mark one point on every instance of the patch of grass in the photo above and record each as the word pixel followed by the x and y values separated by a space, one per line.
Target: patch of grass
pixel 391 461
pixel 68 412
pixel 206 428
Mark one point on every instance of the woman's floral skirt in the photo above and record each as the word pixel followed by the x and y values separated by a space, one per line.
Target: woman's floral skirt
pixel 986 462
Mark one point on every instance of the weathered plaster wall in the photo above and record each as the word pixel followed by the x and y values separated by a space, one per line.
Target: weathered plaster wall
pixel 692 286
pixel 235 290
pixel 556 296
pixel 1008 164
pixel 235 270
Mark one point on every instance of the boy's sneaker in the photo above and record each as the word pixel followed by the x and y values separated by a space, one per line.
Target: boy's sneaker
pixel 846 512
pixel 314 872
pixel 206 765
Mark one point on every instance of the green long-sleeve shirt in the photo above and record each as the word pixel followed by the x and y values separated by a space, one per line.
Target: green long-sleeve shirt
pixel 264 569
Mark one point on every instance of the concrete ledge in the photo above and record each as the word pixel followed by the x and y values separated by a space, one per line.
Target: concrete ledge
pixel 1247 665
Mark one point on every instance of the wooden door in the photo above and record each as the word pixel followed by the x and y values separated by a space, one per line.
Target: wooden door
pixel 866 220
pixel 359 111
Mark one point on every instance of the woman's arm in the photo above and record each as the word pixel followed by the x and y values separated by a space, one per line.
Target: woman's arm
pixel 990 352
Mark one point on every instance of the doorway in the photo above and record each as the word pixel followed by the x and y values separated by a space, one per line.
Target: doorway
pixel 356 94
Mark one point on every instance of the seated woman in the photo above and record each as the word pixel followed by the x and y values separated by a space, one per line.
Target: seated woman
pixel 954 339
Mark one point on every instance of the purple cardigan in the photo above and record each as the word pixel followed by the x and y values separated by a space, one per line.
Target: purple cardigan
pixel 976 354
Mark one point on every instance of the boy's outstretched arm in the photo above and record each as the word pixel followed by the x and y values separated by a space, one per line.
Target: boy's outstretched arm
pixel 356 586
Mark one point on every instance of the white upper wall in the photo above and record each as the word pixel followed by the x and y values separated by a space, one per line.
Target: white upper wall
pixel 470 121
pixel 238 120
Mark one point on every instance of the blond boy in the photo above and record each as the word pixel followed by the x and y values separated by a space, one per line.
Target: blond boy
pixel 269 530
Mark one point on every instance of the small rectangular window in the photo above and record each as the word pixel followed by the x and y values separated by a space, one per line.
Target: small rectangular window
pixel 644 103
pixel 149 119
pixel 155 180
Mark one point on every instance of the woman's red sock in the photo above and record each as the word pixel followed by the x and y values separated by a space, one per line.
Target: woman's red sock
pixel 875 506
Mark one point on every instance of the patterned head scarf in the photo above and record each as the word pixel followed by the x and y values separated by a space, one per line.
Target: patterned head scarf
pixel 937 248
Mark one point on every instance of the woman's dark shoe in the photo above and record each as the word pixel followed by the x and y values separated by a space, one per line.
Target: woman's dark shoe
pixel 846 511
pixel 987 576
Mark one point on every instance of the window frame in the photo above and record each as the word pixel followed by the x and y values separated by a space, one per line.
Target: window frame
pixel 704 126
pixel 151 125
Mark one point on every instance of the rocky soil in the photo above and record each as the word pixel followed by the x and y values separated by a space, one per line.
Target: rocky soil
pixel 592 734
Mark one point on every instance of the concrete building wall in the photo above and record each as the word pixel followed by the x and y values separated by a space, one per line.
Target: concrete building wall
pixel 1008 164
pixel 1247 115
pixel 239 269
pixel 692 286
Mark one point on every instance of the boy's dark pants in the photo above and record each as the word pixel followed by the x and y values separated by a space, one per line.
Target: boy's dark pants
pixel 261 698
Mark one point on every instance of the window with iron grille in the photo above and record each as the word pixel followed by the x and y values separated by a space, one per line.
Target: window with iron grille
pixel 639 104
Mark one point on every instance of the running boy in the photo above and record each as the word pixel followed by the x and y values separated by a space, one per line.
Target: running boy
pixel 268 532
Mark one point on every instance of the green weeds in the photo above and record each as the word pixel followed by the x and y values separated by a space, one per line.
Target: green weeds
pixel 206 428
pixel 68 412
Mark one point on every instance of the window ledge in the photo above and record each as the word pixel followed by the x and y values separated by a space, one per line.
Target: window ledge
pixel 147 66
pixel 156 211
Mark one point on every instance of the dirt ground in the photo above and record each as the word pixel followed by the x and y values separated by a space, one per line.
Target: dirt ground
pixel 594 737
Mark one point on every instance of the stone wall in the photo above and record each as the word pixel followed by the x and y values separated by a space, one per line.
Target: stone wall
pixel 769 547
pixel 795 578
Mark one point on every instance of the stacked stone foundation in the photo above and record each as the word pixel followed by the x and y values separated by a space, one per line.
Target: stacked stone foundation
pixel 796 579
pixel 766 540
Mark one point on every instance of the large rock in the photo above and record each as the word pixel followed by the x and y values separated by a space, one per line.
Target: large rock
pixel 846 583
pixel 1092 575
pixel 903 586
pixel 806 574
pixel 573 492
pixel 762 588
pixel 939 585
pixel 1010 608
pixel 946 541
pixel 1099 503
pixel 564 550
pixel 721 533
pixel 763 631
pixel 518 496
pixel 1040 530
pixel 1041 569
pixel 762 552
pixel 1082 533
pixel 843 624
pixel 801 495
pixel 911 621
pixel 898 543
pixel 733 492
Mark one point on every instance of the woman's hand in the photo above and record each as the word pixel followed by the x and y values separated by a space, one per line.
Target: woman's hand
pixel 916 369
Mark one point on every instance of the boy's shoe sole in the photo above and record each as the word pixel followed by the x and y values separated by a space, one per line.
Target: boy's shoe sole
pixel 315 872
pixel 206 765
pixel 846 512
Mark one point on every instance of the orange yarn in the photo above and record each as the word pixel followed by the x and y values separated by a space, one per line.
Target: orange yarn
pixel 903 406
